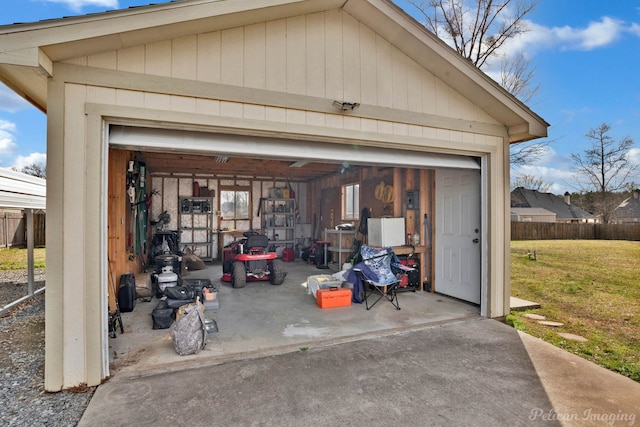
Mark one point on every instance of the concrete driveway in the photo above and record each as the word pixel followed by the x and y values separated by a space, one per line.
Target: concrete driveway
pixel 467 372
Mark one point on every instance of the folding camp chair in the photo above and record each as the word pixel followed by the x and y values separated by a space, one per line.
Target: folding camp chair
pixel 377 276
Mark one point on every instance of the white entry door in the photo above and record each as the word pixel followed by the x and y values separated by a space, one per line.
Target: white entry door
pixel 457 232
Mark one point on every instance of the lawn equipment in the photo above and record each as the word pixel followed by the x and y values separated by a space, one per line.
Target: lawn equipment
pixel 251 262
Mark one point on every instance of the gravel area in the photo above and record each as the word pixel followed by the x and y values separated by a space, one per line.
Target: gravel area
pixel 24 400
pixel 13 284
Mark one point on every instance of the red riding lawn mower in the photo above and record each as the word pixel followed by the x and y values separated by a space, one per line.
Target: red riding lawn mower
pixel 252 262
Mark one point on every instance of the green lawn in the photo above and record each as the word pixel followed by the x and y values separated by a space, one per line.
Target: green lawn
pixel 16 258
pixel 592 287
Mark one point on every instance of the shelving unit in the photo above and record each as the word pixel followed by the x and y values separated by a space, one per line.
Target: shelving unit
pixel 340 242
pixel 195 222
pixel 278 221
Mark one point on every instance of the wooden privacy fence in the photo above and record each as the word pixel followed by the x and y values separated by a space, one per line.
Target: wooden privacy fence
pixel 13 230
pixel 573 231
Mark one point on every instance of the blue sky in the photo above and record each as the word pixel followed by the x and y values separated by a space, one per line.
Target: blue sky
pixel 586 55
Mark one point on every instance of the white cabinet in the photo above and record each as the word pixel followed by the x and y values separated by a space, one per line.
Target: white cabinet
pixel 195 223
pixel 278 221
pixel 383 232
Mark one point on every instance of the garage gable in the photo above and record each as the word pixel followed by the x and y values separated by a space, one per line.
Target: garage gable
pixel 364 51
pixel 325 55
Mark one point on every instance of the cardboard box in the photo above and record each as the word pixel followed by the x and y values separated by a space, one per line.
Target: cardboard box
pixel 333 297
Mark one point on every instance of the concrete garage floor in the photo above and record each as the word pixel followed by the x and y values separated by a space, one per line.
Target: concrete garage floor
pixel 262 319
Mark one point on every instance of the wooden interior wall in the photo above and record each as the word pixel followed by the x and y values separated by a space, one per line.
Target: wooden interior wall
pixel 118 219
pixel 326 195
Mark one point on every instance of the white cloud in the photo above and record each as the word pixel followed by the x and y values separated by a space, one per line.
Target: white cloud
pixel 560 180
pixel 633 156
pixel 77 5
pixel 10 101
pixel 634 29
pixel 33 158
pixel 560 177
pixel 597 34
pixel 7 138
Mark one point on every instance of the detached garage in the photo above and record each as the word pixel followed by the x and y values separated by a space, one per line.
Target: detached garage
pixel 224 98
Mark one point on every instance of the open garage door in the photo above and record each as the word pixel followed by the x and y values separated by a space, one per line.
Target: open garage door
pixel 154 139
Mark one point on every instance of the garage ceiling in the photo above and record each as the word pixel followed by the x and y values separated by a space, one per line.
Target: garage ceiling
pixel 234 166
pixel 225 155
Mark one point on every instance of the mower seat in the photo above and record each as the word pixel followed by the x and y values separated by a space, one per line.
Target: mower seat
pixel 257 241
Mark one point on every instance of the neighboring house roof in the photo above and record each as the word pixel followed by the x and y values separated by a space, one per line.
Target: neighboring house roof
pixel 28 51
pixel 22 191
pixel 629 208
pixel 523 198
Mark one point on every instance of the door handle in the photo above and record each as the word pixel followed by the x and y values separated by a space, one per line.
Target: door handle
pixel 476 240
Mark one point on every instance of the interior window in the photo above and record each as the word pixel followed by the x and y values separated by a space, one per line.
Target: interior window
pixel 351 201
pixel 234 204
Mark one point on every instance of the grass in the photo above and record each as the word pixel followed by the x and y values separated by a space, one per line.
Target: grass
pixel 592 287
pixel 16 258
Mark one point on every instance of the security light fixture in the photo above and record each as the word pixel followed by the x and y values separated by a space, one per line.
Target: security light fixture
pixel 345 106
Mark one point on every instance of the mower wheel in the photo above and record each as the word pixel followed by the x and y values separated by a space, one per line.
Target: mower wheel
pixel 238 275
pixel 277 272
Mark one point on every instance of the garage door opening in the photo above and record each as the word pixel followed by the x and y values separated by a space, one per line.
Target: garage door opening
pixel 228 171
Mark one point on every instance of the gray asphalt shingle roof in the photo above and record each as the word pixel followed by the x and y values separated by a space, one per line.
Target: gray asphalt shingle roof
pixel 523 198
pixel 629 208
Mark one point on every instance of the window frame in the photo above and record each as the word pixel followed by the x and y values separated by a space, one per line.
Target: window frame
pixel 354 189
pixel 235 190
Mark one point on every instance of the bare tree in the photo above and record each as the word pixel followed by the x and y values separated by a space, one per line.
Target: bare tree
pixel 35 169
pixel 477 29
pixel 605 168
pixel 531 182
pixel 526 153
pixel 516 76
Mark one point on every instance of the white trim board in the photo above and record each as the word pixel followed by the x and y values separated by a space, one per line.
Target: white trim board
pixel 258 147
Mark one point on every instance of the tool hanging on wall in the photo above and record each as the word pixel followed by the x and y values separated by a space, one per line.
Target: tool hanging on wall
pixel 141 210
pixel 138 202
pixel 428 258
pixel 131 192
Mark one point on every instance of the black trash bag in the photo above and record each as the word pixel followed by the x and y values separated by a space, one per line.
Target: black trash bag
pixel 177 303
pixel 162 315
pixel 179 292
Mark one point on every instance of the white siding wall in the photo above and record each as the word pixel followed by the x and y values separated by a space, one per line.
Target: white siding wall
pixel 328 55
